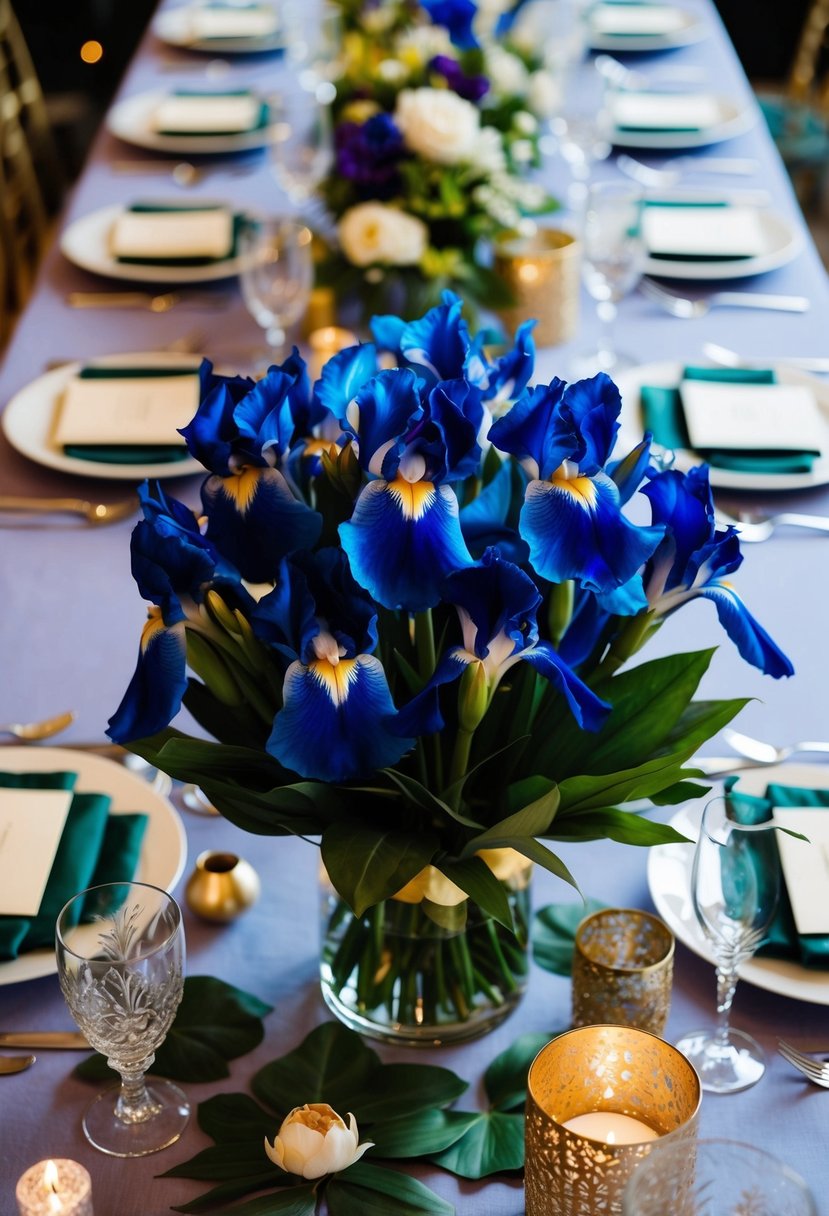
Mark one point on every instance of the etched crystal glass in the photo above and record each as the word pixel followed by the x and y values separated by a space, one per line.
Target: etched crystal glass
pixel 120 953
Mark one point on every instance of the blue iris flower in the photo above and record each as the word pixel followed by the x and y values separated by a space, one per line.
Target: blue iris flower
pixel 694 558
pixel 458 17
pixel 571 518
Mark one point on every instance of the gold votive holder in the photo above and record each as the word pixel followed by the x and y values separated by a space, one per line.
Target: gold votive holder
pixel 221 887
pixel 542 274
pixel 607 1072
pixel 324 343
pixel 321 311
pixel 623 966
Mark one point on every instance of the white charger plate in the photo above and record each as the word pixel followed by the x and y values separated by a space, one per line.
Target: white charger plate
pixel 733 120
pixel 86 244
pixel 28 418
pixel 781 243
pixel 668 375
pixel 173 27
pixel 669 880
pixel 164 848
pixel 131 121
pixel 692 29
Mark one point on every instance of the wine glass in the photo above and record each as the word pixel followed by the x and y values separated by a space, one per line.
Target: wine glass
pixel 122 977
pixel 582 129
pixel 715 1178
pixel 613 255
pixel 302 145
pixel 735 887
pixel 276 276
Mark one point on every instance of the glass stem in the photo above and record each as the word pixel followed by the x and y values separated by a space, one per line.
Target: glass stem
pixel 135 1105
pixel 726 987
pixel 606 310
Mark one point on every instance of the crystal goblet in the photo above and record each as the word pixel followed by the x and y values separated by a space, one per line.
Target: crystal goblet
pixel 277 275
pixel 122 977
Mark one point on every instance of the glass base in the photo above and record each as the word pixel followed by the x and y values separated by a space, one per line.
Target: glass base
pixel 724 1068
pixel 588 363
pixel 111 1135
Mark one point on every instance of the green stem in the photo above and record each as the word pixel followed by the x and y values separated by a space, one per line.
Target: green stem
pixel 425 642
pixel 627 642
pixel 460 760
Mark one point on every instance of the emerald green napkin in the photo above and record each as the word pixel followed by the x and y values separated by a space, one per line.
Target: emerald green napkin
pixel 783 940
pixel 662 415
pixel 261 120
pixel 159 208
pixel 111 453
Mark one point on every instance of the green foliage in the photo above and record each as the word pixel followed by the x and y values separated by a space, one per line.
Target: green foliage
pixel 554 934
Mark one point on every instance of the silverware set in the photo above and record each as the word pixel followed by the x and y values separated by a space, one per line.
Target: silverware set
pixel 95 513
pixel 153 301
pixel 816 1071
pixel 688 307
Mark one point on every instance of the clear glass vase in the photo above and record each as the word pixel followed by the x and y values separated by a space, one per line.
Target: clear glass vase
pixel 397 975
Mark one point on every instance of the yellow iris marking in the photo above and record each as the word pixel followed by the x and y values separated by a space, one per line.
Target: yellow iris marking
pixel 335 678
pixel 581 489
pixel 413 498
pixel 241 488
pixel 153 627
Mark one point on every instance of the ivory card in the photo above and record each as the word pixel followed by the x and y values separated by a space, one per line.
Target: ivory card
pixel 761 417
pixel 636 19
pixel 207 114
pixel 806 866
pixel 666 111
pixel 172 234
pixel 31 825
pixel 126 410
pixel 215 21
pixel 703 231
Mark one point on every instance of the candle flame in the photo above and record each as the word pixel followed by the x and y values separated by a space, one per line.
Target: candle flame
pixel 50 1177
pixel 611 1136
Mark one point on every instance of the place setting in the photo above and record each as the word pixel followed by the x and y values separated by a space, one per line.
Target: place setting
pixel 226 29
pixel 629 25
pixel 184 122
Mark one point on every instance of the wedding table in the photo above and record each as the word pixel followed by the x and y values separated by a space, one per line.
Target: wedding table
pixel 72 616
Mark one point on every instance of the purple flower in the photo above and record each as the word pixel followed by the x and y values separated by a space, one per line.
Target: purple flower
pixel 471 88
pixel 368 155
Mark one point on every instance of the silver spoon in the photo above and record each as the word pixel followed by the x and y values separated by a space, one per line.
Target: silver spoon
pixel 12 1064
pixel 767 753
pixel 31 731
pixel 760 527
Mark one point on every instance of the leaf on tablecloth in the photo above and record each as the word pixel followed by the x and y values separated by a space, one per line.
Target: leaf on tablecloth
pixel 357 1191
pixel 505 1081
pixel 493 1143
pixel 554 933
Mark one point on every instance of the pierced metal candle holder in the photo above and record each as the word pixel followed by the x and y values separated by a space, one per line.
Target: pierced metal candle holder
pixel 600 1068
pixel 623 967
pixel 542 273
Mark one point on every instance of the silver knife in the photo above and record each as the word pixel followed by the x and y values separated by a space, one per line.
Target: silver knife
pixel 71 1040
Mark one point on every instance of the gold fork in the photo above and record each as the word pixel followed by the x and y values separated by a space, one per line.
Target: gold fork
pixel 92 512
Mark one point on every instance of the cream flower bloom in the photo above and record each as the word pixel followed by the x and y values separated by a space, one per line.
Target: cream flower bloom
pixel 430 884
pixel 438 124
pixel 509 866
pixel 374 233
pixel 314 1141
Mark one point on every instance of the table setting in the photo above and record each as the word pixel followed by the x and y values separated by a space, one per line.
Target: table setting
pixel 359 781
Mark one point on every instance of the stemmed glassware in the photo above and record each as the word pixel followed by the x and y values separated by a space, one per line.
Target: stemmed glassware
pixel 122 977
pixel 276 276
pixel 735 886
pixel 613 255
pixel 302 146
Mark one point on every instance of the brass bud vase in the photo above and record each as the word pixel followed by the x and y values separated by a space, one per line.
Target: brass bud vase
pixel 221 887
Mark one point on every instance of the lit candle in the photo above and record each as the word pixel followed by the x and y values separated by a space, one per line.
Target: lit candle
pixel 611 1128
pixel 326 342
pixel 55 1188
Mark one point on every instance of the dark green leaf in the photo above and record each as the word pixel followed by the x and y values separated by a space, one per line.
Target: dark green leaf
pixel 613 823
pixel 419 796
pixel 492 1144
pixel 420 1133
pixel 235 1119
pixel 367 865
pixel 332 1064
pixel 475 877
pixel 424 1086
pixel 591 791
pixel 554 933
pixel 356 1191
pixel 290 1201
pixel 505 1081
pixel 683 791
pixel 701 720
pixel 233 1161
pixel 531 820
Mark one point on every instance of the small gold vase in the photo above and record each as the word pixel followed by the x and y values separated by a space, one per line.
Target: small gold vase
pixel 542 273
pixel 221 887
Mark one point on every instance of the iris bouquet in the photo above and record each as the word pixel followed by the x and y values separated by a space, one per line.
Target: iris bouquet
pixel 435 135
pixel 407 605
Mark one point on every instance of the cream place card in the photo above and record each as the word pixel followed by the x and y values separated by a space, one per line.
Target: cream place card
pixel 755 417
pixel 806 866
pixel 126 410
pixel 172 234
pixel 233 21
pixel 703 231
pixel 666 111
pixel 31 825
pixel 198 115
pixel 637 19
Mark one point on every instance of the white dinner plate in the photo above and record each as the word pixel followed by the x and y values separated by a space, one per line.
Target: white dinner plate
pixel 781 243
pixel 164 848
pixel 669 880
pixel 86 243
pixel 28 418
pixel 733 119
pixel 690 28
pixel 668 375
pixel 173 27
pixel 131 121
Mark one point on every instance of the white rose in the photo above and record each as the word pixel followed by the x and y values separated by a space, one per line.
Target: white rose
pixel 373 233
pixel 544 94
pixel 313 1141
pixel 438 124
pixel 424 42
pixel 489 151
pixel 506 73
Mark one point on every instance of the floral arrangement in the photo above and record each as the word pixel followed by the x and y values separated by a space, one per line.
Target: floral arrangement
pixel 435 132
pixel 407 604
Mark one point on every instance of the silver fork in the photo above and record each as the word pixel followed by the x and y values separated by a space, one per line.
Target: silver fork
pixel 685 307
pixel 767 753
pixel 816 1071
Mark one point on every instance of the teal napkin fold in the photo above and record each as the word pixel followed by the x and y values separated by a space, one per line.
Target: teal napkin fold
pixel 662 415
pixel 261 119
pixel 783 939
pixel 159 208
pixel 148 453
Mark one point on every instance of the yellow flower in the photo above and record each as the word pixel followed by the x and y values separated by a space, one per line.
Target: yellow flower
pixel 509 866
pixel 432 885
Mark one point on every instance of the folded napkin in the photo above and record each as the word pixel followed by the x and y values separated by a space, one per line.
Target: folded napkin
pixel 621 18
pixel 664 111
pixel 783 940
pixel 94 847
pixel 662 415
pixel 189 112
pixel 73 410
pixel 156 234
pixel 232 21
pixel 690 232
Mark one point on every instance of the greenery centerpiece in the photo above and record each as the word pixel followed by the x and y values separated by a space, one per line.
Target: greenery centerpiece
pixel 407 605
